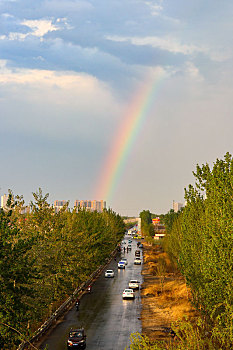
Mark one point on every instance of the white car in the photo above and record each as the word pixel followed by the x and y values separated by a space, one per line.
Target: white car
pixel 134 284
pixel 109 273
pixel 128 294
pixel 125 261
pixel 137 261
pixel 121 265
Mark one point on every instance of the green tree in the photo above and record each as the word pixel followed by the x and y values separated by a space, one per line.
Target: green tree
pixel 16 273
pixel 145 215
pixel 202 238
pixel 45 256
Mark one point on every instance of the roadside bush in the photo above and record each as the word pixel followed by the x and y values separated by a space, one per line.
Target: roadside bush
pixel 140 342
pixel 188 336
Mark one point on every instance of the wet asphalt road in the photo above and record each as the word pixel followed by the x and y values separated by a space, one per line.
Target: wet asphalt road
pixel 107 319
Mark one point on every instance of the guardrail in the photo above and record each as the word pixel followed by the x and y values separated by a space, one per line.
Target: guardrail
pixel 64 307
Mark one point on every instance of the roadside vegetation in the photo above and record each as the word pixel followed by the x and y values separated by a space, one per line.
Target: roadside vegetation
pixel 44 257
pixel 199 242
pixel 147 226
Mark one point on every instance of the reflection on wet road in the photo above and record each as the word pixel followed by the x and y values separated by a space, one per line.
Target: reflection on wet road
pixel 107 319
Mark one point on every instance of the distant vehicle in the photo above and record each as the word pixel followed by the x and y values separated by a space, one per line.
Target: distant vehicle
pixel 137 253
pixel 134 284
pixel 109 273
pixel 137 261
pixel 121 265
pixel 129 241
pixel 77 339
pixel 129 246
pixel 125 261
pixel 140 245
pixel 128 294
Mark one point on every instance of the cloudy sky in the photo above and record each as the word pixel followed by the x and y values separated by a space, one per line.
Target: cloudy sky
pixel 69 70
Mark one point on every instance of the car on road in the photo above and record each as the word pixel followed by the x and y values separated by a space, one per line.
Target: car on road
pixel 109 273
pixel 137 261
pixel 129 247
pixel 128 294
pixel 129 241
pixel 121 265
pixel 137 253
pixel 134 284
pixel 77 339
pixel 125 261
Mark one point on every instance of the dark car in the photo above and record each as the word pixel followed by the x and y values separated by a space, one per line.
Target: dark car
pixel 77 339
pixel 137 252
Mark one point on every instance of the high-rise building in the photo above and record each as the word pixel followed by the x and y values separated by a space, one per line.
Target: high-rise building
pixel 4 200
pixel 58 205
pixel 91 205
pixel 177 206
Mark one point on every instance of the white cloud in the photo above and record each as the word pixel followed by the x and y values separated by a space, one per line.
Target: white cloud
pixel 56 105
pixel 155 8
pixel 193 72
pixel 38 28
pixel 166 43
pixel 7 15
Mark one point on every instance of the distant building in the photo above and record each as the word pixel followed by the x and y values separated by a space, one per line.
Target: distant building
pixel 58 205
pixel 177 206
pixel 158 236
pixel 23 209
pixel 130 220
pixel 156 221
pixel 4 200
pixel 91 205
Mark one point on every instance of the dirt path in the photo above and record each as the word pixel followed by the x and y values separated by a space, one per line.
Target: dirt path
pixel 165 297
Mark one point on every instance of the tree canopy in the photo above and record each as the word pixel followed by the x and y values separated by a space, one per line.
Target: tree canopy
pixel 201 241
pixel 45 256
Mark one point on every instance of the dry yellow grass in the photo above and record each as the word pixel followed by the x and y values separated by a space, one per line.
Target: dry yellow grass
pixel 165 297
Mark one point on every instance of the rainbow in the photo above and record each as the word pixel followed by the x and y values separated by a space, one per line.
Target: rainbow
pixel 134 119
